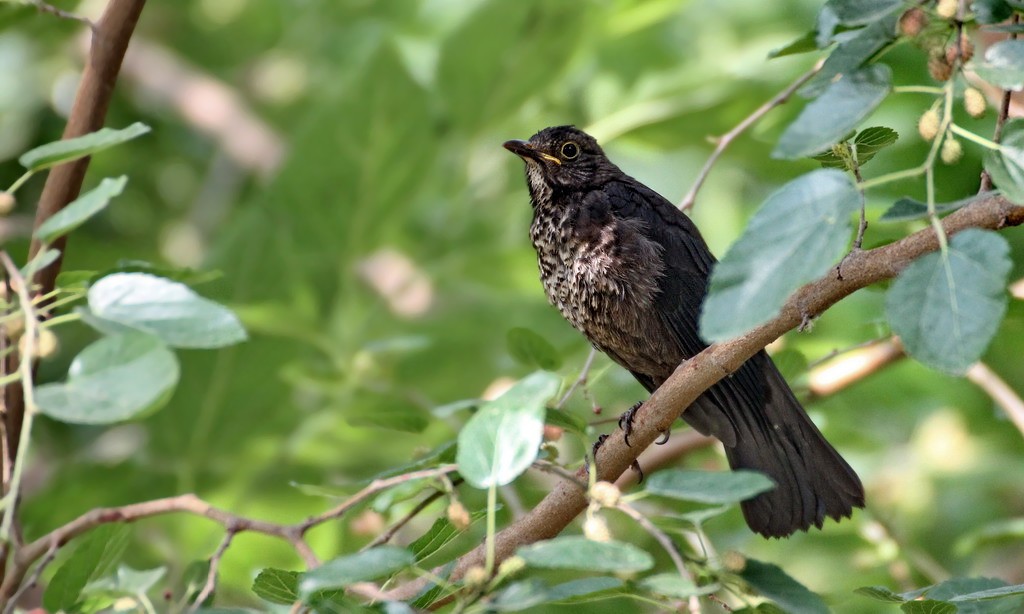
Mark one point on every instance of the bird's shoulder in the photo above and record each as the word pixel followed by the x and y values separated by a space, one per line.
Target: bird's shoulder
pixel 664 223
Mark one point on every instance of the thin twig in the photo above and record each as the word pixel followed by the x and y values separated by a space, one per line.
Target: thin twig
pixel 211 574
pixel 191 504
pixel 373 488
pixel 48 8
pixel 1004 113
pixel 727 138
pixel 666 542
pixel 28 353
pixel 580 381
pixel 386 536
pixel 565 474
pixel 33 579
pixel 1000 392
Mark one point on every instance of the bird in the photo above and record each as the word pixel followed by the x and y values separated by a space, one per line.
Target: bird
pixel 630 271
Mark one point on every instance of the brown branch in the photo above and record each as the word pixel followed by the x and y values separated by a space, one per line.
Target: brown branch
pixel 189 504
pixel 371 489
pixel 43 7
pixel 32 581
pixel 726 139
pixel 836 374
pixel 110 37
pixel 211 574
pixel 1004 396
pixel 691 379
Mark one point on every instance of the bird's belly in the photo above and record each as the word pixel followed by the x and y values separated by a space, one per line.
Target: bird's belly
pixel 612 315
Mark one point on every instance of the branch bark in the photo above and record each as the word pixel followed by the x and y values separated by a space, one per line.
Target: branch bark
pixel 692 378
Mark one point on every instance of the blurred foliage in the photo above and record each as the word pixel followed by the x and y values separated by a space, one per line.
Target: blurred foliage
pixel 382 264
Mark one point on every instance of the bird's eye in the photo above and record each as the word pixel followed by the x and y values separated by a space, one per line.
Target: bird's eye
pixel 570 150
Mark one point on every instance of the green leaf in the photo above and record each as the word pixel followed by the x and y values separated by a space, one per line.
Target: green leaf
pixel 862 12
pixel 565 420
pixel 973 595
pixel 839 109
pixel 1003 65
pixel 996 532
pixel 51 154
pixel 1006 165
pixel 804 44
pixel 992 593
pixel 872 140
pixel 879 593
pixel 278 586
pixel 853 52
pixel 360 567
pixel 671 584
pixel 794 238
pixel 42 260
pixel 928 606
pixel 502 438
pixel 791 363
pixel 438 535
pixel 80 210
pixel 991 11
pixel 946 307
pixel 97 553
pixel 164 308
pixel 114 379
pixel 775 584
pixel 128 581
pixel 709 486
pixel 578 552
pixel 192 581
pixel 520 596
pixel 906 208
pixel 574 590
pixel 532 350
pixel 397 415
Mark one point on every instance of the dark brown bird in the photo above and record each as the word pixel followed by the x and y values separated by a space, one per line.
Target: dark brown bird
pixel 630 271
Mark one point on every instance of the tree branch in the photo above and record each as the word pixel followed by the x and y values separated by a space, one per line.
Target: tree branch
pixel 191 504
pixel 692 378
pixel 110 36
pixel 726 139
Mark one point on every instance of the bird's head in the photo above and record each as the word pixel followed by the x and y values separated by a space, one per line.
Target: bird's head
pixel 562 157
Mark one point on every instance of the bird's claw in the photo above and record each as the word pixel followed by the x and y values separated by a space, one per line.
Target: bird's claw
pixel 626 421
pixel 635 466
pixel 596 447
pixel 664 438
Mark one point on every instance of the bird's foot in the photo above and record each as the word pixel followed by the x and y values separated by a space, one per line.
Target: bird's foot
pixel 626 420
pixel 635 465
pixel 664 438
pixel 596 447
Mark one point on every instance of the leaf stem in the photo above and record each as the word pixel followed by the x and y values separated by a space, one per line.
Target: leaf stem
pixel 492 505
pixel 25 369
pixel 917 89
pixel 970 136
pixel 20 181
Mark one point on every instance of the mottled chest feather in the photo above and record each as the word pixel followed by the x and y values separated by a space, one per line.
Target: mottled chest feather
pixel 598 269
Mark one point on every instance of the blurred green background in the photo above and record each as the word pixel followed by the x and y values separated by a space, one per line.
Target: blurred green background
pixel 340 163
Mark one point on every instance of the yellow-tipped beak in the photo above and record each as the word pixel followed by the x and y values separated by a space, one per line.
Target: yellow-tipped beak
pixel 523 149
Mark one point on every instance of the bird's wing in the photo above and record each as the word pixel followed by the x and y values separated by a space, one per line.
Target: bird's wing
pixel 678 305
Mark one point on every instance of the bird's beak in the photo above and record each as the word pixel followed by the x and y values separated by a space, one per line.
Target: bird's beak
pixel 526 151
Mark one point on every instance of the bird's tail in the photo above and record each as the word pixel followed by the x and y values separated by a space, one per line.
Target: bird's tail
pixel 813 480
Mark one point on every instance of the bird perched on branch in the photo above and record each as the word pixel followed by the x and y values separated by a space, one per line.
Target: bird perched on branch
pixel 630 271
